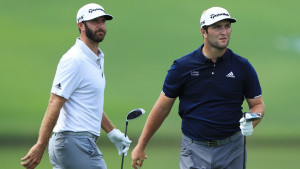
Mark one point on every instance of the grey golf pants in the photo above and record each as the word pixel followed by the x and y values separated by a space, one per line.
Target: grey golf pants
pixel 74 152
pixel 198 156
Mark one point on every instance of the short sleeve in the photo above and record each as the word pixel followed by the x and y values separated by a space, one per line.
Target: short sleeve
pixel 173 81
pixel 67 77
pixel 252 85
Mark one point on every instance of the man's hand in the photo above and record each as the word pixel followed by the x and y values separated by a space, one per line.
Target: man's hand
pixel 246 127
pixel 35 154
pixel 33 157
pixel 138 157
pixel 119 139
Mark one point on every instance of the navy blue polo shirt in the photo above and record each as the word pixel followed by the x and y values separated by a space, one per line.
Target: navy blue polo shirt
pixel 211 94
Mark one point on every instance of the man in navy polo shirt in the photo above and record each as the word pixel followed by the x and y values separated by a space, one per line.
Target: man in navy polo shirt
pixel 211 83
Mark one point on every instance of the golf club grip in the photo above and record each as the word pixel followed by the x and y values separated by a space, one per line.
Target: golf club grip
pixel 126 128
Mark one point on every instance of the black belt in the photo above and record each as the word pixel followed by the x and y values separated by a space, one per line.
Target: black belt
pixel 82 133
pixel 215 143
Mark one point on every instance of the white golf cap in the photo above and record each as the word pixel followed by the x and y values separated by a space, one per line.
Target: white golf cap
pixel 91 11
pixel 213 15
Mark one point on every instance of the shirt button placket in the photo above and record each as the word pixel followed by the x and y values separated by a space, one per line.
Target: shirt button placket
pixel 213 71
pixel 99 64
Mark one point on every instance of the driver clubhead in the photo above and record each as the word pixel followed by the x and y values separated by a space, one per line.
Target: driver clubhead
pixel 135 114
pixel 249 116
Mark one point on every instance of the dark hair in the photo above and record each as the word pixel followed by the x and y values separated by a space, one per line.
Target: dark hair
pixel 205 28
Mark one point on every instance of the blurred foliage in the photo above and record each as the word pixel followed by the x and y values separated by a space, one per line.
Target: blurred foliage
pixel 142 41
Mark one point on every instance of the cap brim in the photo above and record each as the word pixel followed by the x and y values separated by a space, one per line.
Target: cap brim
pixel 232 20
pixel 108 17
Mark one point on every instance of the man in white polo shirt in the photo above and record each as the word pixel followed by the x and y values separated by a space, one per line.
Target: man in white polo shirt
pixel 75 111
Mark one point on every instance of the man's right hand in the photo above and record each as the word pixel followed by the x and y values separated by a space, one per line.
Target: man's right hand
pixel 33 157
pixel 137 157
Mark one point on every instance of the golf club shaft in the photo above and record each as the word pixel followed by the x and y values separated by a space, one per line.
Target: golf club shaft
pixel 244 155
pixel 124 147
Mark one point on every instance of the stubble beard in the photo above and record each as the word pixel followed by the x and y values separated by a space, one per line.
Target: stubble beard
pixel 218 45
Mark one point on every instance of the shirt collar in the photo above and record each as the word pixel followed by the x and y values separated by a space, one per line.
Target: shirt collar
pixel 204 59
pixel 88 52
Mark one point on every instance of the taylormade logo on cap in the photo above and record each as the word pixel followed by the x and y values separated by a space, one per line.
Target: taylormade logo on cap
pixel 91 11
pixel 213 15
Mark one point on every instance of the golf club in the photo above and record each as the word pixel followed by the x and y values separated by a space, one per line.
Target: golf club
pixel 249 116
pixel 130 116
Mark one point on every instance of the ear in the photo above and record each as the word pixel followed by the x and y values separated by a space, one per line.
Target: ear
pixel 203 32
pixel 81 26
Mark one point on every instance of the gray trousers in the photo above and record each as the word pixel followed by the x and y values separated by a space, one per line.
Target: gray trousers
pixel 74 152
pixel 198 156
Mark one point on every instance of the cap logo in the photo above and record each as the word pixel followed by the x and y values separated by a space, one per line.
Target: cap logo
pixel 212 16
pixel 80 18
pixel 92 10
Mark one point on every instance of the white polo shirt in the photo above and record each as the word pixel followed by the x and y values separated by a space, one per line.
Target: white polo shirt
pixel 80 79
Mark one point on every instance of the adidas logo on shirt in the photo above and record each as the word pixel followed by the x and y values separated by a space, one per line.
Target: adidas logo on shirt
pixel 231 75
pixel 58 86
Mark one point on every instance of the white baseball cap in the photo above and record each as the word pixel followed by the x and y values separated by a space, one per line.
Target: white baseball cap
pixel 91 11
pixel 213 15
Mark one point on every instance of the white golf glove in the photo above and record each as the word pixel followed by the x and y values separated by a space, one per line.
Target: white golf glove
pixel 119 139
pixel 246 127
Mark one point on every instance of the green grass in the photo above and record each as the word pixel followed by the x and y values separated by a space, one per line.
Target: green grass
pixel 167 156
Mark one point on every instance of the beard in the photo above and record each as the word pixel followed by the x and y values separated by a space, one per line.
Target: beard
pixel 217 45
pixel 216 42
pixel 93 35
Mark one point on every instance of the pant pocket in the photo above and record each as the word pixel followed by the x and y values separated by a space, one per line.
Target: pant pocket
pixel 185 150
pixel 60 141
pixel 94 150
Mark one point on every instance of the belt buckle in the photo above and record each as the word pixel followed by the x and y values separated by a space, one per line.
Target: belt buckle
pixel 213 143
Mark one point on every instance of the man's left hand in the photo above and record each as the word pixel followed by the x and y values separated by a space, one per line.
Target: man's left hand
pixel 118 138
pixel 246 127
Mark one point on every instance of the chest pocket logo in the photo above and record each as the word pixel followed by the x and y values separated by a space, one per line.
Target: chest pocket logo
pixel 195 73
pixel 230 75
